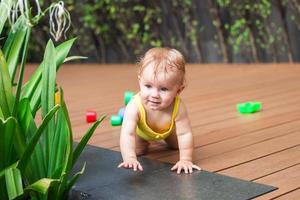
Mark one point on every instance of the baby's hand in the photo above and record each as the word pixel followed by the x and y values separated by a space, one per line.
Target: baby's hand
pixel 131 163
pixel 187 166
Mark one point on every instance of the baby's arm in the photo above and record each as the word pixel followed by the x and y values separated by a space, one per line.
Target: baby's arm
pixel 185 142
pixel 127 138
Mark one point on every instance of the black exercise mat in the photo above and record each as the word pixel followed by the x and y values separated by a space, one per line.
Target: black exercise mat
pixel 103 180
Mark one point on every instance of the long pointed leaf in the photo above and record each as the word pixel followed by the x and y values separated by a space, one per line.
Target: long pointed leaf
pixel 62 186
pixel 29 127
pixel 62 52
pixel 30 147
pixel 42 186
pixel 1 114
pixel 75 178
pixel 69 146
pixel 13 181
pixel 6 92
pixel 85 139
pixel 69 149
pixel 7 132
pixel 21 71
pixel 58 153
pixel 74 58
pixel 5 7
pixel 31 89
pixel 47 97
pixel 2 172
pixel 13 47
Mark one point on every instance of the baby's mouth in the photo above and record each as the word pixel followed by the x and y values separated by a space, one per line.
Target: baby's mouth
pixel 154 102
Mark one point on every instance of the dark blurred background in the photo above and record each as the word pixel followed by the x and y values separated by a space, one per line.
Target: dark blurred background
pixel 205 31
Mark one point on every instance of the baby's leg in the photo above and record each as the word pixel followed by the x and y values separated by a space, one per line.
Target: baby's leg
pixel 141 146
pixel 172 141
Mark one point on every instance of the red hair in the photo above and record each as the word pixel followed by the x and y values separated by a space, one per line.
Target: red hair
pixel 163 59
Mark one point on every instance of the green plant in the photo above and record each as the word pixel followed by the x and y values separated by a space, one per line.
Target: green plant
pixel 246 16
pixel 36 160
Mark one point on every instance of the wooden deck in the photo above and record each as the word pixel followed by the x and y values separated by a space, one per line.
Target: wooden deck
pixel 262 147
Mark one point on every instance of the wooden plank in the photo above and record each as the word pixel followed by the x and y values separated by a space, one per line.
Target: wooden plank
pixel 265 166
pixel 293 195
pixel 234 143
pixel 249 153
pixel 286 180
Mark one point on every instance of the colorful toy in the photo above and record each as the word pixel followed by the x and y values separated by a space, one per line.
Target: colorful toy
pixel 248 107
pixel 116 120
pixel 91 116
pixel 121 113
pixel 127 97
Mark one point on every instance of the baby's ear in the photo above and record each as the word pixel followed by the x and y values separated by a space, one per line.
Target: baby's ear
pixel 139 77
pixel 180 89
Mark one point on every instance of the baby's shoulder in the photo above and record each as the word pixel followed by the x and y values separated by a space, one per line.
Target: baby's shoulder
pixel 182 110
pixel 181 104
pixel 132 109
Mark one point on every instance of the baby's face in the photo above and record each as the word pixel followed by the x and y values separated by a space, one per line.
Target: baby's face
pixel 158 92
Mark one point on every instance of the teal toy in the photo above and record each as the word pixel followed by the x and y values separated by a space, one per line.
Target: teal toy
pixel 127 97
pixel 249 107
pixel 116 120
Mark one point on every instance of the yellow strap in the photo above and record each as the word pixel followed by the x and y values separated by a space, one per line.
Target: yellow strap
pixel 143 122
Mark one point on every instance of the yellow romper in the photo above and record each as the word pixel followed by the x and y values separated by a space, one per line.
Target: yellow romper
pixel 144 131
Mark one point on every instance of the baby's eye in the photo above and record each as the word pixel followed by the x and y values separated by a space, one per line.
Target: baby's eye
pixel 148 86
pixel 164 89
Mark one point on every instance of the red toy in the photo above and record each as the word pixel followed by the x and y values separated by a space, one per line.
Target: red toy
pixel 91 116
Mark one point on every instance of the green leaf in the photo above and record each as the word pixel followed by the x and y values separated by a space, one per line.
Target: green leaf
pixel 13 47
pixel 74 58
pixel 6 92
pixel 58 151
pixel 32 89
pixel 85 139
pixel 69 146
pixel 59 193
pixel 13 181
pixel 14 165
pixel 28 127
pixel 21 71
pixel 5 7
pixel 1 114
pixel 42 186
pixel 47 99
pixel 32 143
pixel 7 133
pixel 62 51
pixel 75 178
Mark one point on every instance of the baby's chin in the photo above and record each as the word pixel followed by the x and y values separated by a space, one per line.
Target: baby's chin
pixel 155 107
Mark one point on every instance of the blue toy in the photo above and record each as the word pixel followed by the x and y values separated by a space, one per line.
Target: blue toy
pixel 116 120
pixel 121 112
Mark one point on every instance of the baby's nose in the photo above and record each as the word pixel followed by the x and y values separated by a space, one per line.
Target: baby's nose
pixel 155 93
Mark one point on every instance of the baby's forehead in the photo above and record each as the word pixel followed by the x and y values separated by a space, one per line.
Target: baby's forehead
pixel 150 75
pixel 166 70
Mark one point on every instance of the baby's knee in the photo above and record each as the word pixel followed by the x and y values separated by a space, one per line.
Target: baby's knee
pixel 173 146
pixel 141 147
